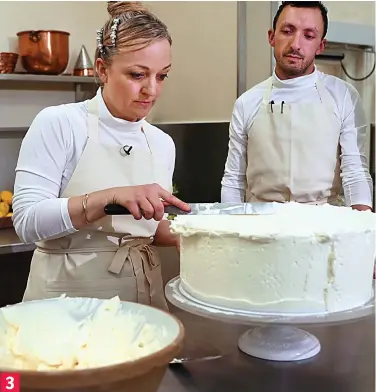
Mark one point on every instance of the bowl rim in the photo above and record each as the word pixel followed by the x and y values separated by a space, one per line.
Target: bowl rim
pixel 132 364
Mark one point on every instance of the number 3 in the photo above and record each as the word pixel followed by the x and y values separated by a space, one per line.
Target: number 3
pixel 10 381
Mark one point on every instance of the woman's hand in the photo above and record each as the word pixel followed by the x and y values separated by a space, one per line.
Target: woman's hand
pixel 146 201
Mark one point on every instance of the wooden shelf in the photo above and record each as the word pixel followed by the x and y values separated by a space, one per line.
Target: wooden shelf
pixel 47 78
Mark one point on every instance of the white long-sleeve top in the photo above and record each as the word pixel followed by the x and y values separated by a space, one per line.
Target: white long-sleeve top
pixel 49 154
pixel 356 179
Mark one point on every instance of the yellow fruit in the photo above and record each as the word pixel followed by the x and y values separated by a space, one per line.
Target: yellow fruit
pixel 4 209
pixel 6 196
pixel 9 214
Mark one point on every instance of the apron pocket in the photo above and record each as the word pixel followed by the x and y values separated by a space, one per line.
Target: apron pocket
pixel 125 288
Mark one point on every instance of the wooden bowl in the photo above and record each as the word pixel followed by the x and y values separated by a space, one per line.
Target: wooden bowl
pixel 142 375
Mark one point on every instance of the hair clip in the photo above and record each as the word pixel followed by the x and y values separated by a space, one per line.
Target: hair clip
pixel 114 27
pixel 100 41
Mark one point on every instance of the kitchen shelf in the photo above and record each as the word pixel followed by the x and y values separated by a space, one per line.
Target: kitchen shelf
pixel 13 129
pixel 47 78
pixel 84 86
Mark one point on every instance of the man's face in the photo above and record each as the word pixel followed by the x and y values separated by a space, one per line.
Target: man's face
pixel 296 40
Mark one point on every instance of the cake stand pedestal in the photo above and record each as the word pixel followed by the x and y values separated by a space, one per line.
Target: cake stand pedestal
pixel 274 337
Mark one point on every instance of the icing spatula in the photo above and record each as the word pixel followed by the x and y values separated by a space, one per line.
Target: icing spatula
pixel 206 209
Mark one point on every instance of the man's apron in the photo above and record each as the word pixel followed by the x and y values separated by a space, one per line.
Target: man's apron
pixel 293 151
pixel 112 256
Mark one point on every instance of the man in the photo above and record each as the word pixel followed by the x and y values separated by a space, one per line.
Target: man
pixel 300 135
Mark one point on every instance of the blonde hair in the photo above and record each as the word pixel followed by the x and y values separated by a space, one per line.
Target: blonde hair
pixel 136 27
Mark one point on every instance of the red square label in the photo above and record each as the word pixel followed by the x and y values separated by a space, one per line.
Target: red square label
pixel 9 382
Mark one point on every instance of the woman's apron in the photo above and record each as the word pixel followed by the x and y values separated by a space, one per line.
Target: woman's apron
pixel 293 151
pixel 112 256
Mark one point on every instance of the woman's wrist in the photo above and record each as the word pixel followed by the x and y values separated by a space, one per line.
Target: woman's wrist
pixel 88 208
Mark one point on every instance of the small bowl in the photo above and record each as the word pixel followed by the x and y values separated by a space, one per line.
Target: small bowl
pixel 8 61
pixel 141 375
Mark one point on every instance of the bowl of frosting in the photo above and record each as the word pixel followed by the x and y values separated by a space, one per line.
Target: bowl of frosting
pixel 88 344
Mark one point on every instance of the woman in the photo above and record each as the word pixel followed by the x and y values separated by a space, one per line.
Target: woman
pixel 76 158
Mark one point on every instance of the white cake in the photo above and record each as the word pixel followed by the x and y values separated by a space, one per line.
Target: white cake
pixel 302 259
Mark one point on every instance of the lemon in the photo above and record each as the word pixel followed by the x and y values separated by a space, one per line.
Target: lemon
pixel 4 209
pixel 6 196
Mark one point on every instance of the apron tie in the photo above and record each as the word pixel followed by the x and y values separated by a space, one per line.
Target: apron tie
pixel 139 254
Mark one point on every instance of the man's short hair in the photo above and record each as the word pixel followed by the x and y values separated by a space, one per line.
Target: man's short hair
pixel 304 4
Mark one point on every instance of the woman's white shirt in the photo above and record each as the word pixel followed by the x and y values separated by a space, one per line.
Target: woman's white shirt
pixel 49 155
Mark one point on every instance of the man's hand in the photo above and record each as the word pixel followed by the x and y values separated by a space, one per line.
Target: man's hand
pixel 361 207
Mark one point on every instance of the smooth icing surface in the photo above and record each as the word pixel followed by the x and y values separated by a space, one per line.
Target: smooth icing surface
pixel 302 259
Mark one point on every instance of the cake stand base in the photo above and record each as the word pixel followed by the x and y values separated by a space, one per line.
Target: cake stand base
pixel 279 343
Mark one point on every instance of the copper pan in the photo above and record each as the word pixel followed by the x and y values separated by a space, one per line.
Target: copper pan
pixel 44 51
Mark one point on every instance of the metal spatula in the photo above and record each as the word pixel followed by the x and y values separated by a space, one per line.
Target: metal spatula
pixel 206 209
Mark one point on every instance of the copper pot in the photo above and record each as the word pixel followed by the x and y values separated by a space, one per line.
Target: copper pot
pixel 44 51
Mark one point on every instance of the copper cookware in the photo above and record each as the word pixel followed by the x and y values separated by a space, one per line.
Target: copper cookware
pixel 44 51
pixel 8 62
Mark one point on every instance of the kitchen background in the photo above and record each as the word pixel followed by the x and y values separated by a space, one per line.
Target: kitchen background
pixel 218 52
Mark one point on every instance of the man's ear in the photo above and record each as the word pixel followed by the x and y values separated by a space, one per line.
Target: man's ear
pixel 271 37
pixel 321 47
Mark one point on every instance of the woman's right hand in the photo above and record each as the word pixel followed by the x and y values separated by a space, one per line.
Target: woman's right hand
pixel 146 201
pixel 142 201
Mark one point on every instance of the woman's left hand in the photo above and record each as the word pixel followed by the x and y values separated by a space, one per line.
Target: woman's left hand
pixel 164 237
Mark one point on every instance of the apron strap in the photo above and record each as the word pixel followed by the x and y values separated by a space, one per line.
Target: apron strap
pixel 324 95
pixel 268 92
pixel 92 119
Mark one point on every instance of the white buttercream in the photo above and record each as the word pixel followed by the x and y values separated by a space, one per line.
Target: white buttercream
pixel 68 333
pixel 303 258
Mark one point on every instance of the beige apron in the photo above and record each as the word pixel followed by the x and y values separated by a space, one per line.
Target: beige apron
pixel 293 151
pixel 112 256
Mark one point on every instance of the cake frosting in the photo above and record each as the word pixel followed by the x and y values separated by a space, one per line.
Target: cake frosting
pixel 301 259
pixel 71 333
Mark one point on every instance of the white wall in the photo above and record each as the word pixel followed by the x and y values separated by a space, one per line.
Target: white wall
pixel 202 84
pixel 259 62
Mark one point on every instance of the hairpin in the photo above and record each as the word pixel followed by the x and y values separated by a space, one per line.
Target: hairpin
pixel 100 41
pixel 114 27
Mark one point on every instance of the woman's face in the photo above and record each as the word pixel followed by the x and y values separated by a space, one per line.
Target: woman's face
pixel 134 80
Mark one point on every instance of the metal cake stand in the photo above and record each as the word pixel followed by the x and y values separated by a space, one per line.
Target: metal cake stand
pixel 273 336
